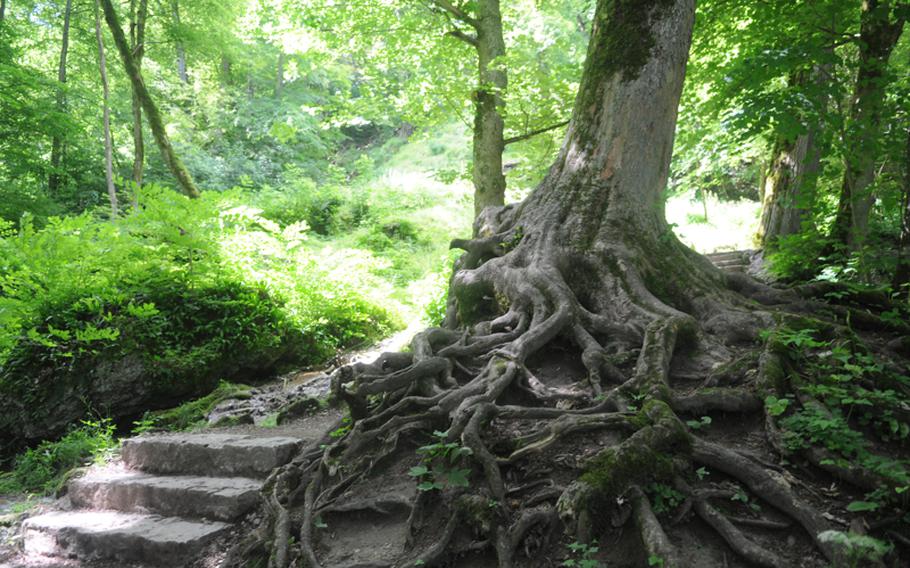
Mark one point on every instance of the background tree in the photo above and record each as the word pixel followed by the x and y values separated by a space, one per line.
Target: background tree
pixel 881 24
pixel 138 16
pixel 106 116
pixel 182 175
pixel 57 148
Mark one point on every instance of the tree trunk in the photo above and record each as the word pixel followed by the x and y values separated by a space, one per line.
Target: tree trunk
pixel 279 75
pixel 902 272
pixel 181 52
pixel 489 181
pixel 788 188
pixel 138 14
pixel 585 271
pixel 106 113
pixel 2 10
pixel 54 180
pixel 184 179
pixel 878 36
pixel 225 71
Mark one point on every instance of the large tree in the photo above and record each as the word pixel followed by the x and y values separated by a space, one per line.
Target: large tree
pixel 579 332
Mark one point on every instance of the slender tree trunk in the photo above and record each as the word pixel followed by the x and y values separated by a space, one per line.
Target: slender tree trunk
pixel 225 71
pixel 279 75
pixel 181 52
pixel 138 14
pixel 106 113
pixel 250 88
pixel 2 10
pixel 489 181
pixel 878 36
pixel 184 179
pixel 902 272
pixel 54 180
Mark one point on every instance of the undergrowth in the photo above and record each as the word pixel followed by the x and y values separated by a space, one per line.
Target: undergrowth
pixel 45 468
pixel 846 401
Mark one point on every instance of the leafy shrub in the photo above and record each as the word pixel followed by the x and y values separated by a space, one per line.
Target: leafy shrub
pixel 44 468
pixel 180 293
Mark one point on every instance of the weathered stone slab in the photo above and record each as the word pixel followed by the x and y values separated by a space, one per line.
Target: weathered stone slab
pixel 209 454
pixel 219 498
pixel 163 541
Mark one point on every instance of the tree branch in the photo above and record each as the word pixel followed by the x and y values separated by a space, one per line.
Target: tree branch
pixel 534 133
pixel 467 38
pixel 455 11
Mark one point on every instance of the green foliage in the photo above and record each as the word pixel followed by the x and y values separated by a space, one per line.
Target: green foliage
pixel 439 468
pixel 189 291
pixel 664 499
pixel 582 555
pixel 702 422
pixel 848 397
pixel 191 414
pixel 44 469
pixel 856 549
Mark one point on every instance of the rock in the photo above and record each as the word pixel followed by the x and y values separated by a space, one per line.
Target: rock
pixel 209 454
pixel 165 541
pixel 218 498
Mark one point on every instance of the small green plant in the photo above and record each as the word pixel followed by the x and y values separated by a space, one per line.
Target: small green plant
pixel 856 549
pixel 664 498
pixel 776 406
pixel 44 469
pixel 439 469
pixel 342 430
pixel 703 422
pixel 655 560
pixel 581 555
pixel 741 496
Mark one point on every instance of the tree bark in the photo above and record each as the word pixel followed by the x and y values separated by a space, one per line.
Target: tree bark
pixel 54 179
pixel 902 272
pixel 225 71
pixel 878 36
pixel 2 10
pixel 184 179
pixel 181 52
pixel 487 175
pixel 138 14
pixel 106 113
pixel 279 75
pixel 788 187
pixel 488 143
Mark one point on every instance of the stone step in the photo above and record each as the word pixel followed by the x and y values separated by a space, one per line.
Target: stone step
pixel 731 262
pixel 219 498
pixel 209 454
pixel 125 537
pixel 737 254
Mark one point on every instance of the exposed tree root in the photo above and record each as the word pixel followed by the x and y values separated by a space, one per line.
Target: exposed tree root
pixel 473 384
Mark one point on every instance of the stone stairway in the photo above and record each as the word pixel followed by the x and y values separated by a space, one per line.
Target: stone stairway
pixel 732 261
pixel 171 496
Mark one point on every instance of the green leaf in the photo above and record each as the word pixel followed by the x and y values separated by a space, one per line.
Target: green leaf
pixel 418 471
pixel 858 506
